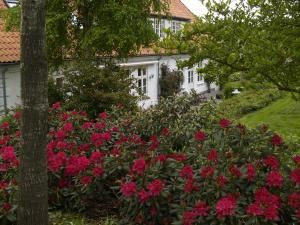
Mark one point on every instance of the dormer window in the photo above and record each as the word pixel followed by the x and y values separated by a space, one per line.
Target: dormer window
pixel 176 26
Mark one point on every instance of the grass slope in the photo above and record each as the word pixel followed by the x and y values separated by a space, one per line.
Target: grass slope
pixel 283 116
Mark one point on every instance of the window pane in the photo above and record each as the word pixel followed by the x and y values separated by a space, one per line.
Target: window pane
pixel 139 83
pixel 139 72
pixel 144 72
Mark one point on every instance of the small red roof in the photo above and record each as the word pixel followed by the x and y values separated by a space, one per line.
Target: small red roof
pixel 9 42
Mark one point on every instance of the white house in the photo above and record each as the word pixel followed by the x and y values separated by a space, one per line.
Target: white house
pixel 145 66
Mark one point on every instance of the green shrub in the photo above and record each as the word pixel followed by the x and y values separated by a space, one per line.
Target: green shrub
pixel 247 102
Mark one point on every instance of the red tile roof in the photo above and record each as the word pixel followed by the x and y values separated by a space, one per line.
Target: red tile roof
pixel 9 42
pixel 179 10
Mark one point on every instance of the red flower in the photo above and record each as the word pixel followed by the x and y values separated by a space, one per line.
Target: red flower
pixel 206 172
pixel 186 172
pixel 213 155
pixel 235 171
pixel 68 127
pixel 189 217
pixel 139 166
pixel 103 115
pixel 87 125
pixel 250 172
pixel 254 210
pixel 5 125
pixel 226 206
pixel 296 159
pixel 272 162
pixel 189 186
pixel 63 183
pixel 56 105
pixel 86 180
pixel 200 136
pixel 201 208
pixel 294 200
pixel 17 115
pixel 274 179
pixel 178 157
pixel 165 132
pixel 295 176
pixel 143 196
pixel 154 142
pixel 156 187
pixel 128 189
pixel 161 158
pixel 276 140
pixel 98 171
pixel 222 180
pixel 96 157
pixel 60 134
pixel 6 206
pixel 224 123
pixel 8 154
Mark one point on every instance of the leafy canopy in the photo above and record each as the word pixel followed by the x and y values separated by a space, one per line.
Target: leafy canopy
pixel 256 39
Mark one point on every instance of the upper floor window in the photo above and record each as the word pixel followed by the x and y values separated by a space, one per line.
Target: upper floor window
pixel 159 26
pixel 190 76
pixel 176 26
pixel 142 80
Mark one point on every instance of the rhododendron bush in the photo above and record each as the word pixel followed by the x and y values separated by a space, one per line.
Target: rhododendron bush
pixel 223 174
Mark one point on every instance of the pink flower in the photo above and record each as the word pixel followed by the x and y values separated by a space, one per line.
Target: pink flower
pixel 161 158
pixel 5 125
pixel 68 127
pixel 186 172
pixel 254 210
pixel 155 187
pixel 276 140
pixel 96 157
pixel 86 180
pixel 296 159
pixel 154 142
pixel 17 115
pixel 274 179
pixel 6 206
pixel 128 189
pixel 87 125
pixel 189 186
pixel 200 136
pixel 139 166
pixel 226 206
pixel 224 123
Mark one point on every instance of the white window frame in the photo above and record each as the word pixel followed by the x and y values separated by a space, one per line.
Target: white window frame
pixel 190 76
pixel 176 26
pixel 159 26
pixel 142 79
pixel 200 77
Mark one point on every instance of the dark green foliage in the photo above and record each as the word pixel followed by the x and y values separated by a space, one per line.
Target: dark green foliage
pixel 170 82
pixel 55 93
pixel 93 89
pixel 247 102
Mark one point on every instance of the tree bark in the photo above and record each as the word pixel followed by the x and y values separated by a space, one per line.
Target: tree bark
pixel 33 202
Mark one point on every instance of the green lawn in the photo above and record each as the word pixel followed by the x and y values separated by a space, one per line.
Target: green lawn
pixel 283 116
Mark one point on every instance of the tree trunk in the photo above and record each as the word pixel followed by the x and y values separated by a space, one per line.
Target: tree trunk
pixel 33 204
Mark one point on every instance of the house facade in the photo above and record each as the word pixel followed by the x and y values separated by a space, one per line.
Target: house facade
pixel 145 66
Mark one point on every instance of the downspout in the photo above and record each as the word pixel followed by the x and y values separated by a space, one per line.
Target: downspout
pixel 158 78
pixel 4 89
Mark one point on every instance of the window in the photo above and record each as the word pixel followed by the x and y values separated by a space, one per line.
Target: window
pixel 176 26
pixel 190 76
pixel 199 77
pixel 142 80
pixel 159 26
